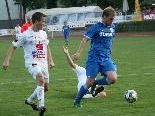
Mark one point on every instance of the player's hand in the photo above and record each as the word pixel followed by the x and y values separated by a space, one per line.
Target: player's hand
pixel 65 49
pixel 76 56
pixel 51 66
pixel 5 67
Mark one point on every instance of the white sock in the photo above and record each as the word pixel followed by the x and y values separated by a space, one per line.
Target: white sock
pixel 40 95
pixel 32 96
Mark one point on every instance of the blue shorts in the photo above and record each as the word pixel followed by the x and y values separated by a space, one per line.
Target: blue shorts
pixel 93 68
pixel 66 36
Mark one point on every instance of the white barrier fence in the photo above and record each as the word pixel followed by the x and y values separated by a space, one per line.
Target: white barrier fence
pixel 79 24
pixel 150 16
pixel 6 32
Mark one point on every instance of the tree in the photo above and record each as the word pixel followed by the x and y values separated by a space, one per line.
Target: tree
pixel 51 3
pixel 31 4
pixel 146 4
pixel 77 3
pixel 68 3
pixel 9 16
pixel 102 3
pixel 116 4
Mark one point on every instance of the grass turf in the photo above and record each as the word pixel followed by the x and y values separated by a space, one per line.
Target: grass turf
pixel 136 69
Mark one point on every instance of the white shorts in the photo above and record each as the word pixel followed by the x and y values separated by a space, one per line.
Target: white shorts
pixel 34 70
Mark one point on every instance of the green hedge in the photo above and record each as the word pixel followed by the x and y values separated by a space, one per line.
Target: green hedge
pixel 136 26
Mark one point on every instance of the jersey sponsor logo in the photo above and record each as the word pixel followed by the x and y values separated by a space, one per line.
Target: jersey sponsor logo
pixel 39 46
pixel 39 53
pixel 105 34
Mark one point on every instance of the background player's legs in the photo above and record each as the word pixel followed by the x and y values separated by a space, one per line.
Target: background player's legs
pixel 66 39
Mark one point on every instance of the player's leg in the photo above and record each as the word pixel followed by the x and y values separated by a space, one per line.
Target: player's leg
pixel 83 90
pixel 46 87
pixel 97 90
pixel 91 70
pixel 67 40
pixel 46 77
pixel 109 72
pixel 32 97
pixel 40 93
pixel 81 81
pixel 66 36
pixel 110 75
pixel 29 101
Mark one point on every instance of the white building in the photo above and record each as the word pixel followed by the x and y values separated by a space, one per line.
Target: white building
pixel 75 16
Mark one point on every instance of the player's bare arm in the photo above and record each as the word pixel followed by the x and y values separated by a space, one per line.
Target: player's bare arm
pixel 8 57
pixel 50 58
pixel 69 59
pixel 78 53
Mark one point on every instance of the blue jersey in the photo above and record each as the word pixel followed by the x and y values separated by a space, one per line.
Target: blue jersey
pixel 101 37
pixel 66 29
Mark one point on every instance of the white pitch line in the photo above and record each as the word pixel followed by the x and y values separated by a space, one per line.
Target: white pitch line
pixel 132 74
pixel 148 73
pixel 21 82
pixel 15 82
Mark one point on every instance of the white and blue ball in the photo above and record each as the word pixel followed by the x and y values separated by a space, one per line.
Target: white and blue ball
pixel 131 96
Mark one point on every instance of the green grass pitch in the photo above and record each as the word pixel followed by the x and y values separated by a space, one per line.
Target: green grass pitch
pixel 134 56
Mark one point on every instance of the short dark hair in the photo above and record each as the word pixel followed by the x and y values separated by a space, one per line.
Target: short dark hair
pixel 108 11
pixel 37 16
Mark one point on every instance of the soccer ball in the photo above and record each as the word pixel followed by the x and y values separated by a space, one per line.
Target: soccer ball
pixel 130 96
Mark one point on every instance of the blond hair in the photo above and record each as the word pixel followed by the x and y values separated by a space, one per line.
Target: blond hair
pixel 108 11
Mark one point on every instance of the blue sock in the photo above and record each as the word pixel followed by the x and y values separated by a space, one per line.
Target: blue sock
pixel 83 90
pixel 103 81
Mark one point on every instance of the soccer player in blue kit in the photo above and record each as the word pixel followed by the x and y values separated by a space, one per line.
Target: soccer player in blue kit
pixel 99 55
pixel 66 32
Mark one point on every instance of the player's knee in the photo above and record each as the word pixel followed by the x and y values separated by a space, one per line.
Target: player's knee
pixel 45 87
pixel 113 79
pixel 40 79
pixel 90 82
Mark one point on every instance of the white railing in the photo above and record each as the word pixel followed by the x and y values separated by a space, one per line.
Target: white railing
pixel 79 24
pixel 150 16
pixel 6 32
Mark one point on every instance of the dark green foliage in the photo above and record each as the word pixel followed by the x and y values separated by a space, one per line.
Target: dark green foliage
pixel 51 3
pixel 32 4
pixel 136 26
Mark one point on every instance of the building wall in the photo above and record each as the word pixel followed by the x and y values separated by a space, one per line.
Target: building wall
pixel 14 12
